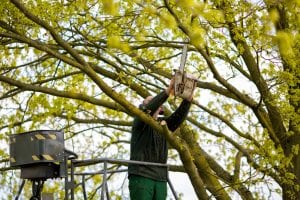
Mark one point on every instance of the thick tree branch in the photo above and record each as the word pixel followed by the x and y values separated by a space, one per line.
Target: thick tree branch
pixel 189 165
pixel 277 132
pixel 97 121
pixel 65 94
pixel 52 31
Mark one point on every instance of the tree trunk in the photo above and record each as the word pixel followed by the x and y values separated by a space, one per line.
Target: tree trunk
pixel 292 190
pixel 205 172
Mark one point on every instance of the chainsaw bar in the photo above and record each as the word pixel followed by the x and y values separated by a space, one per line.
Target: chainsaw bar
pixel 183 57
pixel 185 84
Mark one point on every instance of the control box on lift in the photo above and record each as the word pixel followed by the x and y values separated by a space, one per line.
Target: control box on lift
pixel 39 154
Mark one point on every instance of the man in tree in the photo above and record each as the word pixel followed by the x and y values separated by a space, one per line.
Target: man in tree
pixel 150 182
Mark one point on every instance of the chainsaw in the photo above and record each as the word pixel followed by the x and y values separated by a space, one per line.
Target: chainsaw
pixel 184 83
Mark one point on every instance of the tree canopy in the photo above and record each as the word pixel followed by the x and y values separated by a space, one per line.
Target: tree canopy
pixel 83 66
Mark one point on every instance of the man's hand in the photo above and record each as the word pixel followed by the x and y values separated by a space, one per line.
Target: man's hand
pixel 170 89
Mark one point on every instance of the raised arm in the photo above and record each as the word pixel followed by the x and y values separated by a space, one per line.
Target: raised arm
pixel 151 105
pixel 176 119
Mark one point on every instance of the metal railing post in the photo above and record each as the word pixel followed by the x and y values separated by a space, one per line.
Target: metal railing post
pixel 20 189
pixel 172 188
pixel 66 177
pixel 72 185
pixel 83 187
pixel 103 191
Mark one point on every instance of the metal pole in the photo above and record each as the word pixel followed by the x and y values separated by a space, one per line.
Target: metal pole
pixel 83 188
pixel 66 177
pixel 107 192
pixel 171 187
pixel 72 180
pixel 103 191
pixel 20 189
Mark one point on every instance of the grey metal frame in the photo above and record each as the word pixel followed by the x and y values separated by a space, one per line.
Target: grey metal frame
pixel 70 176
pixel 104 172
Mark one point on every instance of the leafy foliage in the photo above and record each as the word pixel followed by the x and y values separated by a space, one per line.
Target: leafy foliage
pixel 83 67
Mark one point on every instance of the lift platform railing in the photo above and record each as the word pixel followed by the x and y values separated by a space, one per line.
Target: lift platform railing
pixel 70 186
pixel 41 155
pixel 71 173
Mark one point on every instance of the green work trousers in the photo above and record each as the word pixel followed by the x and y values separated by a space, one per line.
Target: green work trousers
pixel 142 188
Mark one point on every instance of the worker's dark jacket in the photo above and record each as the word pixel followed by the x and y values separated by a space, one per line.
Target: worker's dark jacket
pixel 150 146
